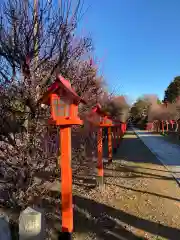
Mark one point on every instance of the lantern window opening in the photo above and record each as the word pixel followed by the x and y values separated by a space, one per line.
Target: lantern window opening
pixel 62 108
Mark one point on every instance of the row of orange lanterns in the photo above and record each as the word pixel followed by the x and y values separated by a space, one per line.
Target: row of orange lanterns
pixel 64 102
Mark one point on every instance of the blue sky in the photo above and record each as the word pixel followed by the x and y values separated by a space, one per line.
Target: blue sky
pixel 137 43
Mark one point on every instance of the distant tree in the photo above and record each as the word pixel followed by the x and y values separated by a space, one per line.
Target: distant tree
pixel 159 101
pixel 140 108
pixel 118 108
pixel 173 90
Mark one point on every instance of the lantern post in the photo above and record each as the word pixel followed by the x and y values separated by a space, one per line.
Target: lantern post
pixel 94 117
pixel 162 126
pixel 110 124
pixel 119 134
pixel 167 126
pixel 99 118
pixel 118 130
pixel 114 140
pixel 172 124
pixel 64 102
pixel 109 144
pixel 100 158
pixel 107 123
pixel 123 128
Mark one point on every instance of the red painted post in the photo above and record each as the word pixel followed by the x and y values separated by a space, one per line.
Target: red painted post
pixel 120 133
pixel 114 140
pixel 117 136
pixel 167 126
pixel 94 117
pixel 162 127
pixel 109 144
pixel 66 180
pixel 151 129
pixel 125 127
pixel 172 123
pixel 100 160
pixel 122 128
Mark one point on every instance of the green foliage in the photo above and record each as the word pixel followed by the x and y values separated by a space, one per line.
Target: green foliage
pixel 140 108
pixel 173 90
pixel 159 101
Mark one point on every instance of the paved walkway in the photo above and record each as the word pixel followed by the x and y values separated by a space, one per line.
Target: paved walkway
pixel 168 153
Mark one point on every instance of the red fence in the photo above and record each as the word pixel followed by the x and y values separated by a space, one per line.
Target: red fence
pixel 164 126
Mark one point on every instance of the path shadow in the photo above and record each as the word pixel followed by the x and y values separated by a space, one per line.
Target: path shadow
pixel 105 222
pixel 126 173
pixel 131 173
pixel 114 226
pixel 145 192
pixel 87 183
pixel 91 219
pixel 134 150
pixel 146 168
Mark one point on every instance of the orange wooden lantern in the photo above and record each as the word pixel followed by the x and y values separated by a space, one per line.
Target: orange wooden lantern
pixel 94 117
pixel 117 132
pixel 64 102
pixel 106 122
pixel 99 118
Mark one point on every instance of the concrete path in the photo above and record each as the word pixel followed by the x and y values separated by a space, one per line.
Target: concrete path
pixel 168 153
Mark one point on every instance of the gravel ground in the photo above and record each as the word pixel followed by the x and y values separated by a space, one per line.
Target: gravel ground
pixel 139 200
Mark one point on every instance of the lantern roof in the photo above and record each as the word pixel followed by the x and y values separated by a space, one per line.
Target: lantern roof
pixel 98 109
pixel 61 83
